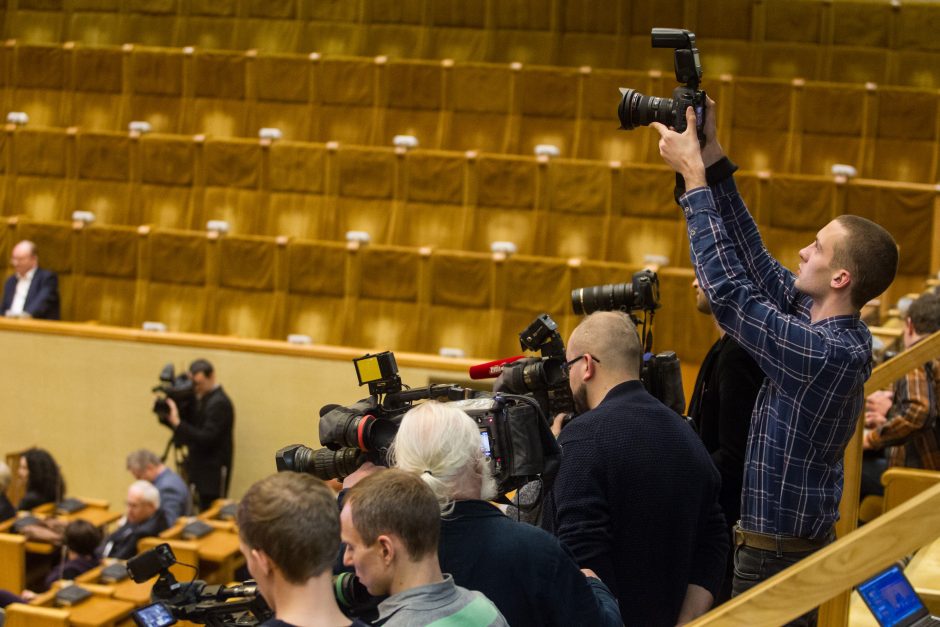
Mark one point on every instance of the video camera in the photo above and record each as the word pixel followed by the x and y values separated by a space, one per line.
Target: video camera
pixel 177 387
pixel 219 606
pixel 514 433
pixel 638 110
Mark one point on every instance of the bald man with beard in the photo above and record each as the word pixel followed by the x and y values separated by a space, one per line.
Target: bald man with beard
pixel 636 497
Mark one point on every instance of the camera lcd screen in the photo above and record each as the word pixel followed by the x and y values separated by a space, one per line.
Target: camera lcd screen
pixel 156 615
pixel 485 443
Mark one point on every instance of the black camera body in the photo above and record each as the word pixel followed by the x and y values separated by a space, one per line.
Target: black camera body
pixel 177 387
pixel 511 427
pixel 637 109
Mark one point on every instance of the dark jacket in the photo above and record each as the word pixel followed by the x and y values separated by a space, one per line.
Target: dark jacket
pixel 7 510
pixel 636 501
pixel 523 570
pixel 722 403
pixel 122 544
pixel 208 435
pixel 42 300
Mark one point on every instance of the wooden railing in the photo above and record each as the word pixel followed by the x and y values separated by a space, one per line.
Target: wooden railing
pixel 827 577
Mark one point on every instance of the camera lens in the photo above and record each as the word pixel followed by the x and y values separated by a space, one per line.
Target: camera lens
pixel 327 464
pixel 638 110
pixel 610 297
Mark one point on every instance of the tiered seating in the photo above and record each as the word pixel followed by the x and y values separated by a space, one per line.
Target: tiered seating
pixel 767 124
pixel 844 40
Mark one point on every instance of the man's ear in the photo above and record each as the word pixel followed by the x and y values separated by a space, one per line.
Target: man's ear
pixel 388 549
pixel 841 279
pixel 263 561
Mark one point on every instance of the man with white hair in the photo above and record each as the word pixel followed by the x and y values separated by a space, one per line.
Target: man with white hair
pixel 143 519
pixel 524 570
pixel 31 292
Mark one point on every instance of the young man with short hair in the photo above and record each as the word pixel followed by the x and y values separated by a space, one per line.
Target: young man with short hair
pixel 288 530
pixel 391 526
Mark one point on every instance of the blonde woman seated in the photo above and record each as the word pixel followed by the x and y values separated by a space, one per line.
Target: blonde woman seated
pixel 525 571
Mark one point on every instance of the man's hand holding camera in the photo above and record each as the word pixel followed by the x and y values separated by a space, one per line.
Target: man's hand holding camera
pixel 681 150
pixel 173 418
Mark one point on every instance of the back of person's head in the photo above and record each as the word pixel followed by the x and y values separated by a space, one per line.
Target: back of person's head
pixel 203 366
pixel 441 444
pixel 612 338
pixel 870 255
pixel 45 477
pixel 82 537
pixel 293 518
pixel 141 459
pixel 5 476
pixel 396 502
pixel 925 313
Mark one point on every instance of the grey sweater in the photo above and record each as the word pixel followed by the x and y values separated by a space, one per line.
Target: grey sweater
pixel 444 604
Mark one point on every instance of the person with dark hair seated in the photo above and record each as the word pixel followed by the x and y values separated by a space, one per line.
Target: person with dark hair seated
pixel 43 479
pixel 81 540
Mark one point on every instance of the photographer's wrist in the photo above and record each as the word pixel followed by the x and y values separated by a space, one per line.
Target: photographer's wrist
pixel 712 154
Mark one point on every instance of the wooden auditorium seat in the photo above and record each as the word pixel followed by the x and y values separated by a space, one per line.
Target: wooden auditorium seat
pixel 21 615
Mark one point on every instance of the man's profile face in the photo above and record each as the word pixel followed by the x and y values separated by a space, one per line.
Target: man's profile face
pixel 202 384
pixel 370 568
pixel 138 509
pixel 23 260
pixel 576 383
pixel 256 571
pixel 815 270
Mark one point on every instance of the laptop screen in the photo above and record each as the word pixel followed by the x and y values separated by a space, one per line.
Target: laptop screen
pixel 891 598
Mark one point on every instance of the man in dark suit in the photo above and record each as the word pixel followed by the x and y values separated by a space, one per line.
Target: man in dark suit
pixel 30 292
pixel 143 519
pixel 207 433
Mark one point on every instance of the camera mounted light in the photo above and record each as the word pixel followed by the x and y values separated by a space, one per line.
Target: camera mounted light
pixel 18 118
pixel 84 217
pixel 219 227
pixel 139 127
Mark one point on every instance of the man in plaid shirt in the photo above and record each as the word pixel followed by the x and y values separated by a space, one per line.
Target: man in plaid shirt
pixel 909 427
pixel 805 333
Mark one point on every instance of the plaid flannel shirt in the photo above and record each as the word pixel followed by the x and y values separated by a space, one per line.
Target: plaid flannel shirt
pixel 911 431
pixel 807 408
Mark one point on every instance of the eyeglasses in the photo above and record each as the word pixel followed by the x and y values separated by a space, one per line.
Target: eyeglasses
pixel 572 362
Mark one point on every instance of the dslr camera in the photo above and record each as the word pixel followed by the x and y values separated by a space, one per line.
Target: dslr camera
pixel 637 109
pixel 177 387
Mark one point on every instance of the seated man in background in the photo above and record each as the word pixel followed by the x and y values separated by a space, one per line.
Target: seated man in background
pixel 30 292
pixel 907 422
pixel 175 499
pixel 288 529
pixel 143 519
pixel 81 540
pixel 524 570
pixel 391 527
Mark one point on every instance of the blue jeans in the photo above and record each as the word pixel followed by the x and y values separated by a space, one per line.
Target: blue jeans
pixel 752 566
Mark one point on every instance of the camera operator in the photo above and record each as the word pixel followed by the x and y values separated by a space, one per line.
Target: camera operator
pixel 207 435
pixel 288 528
pixel 636 496
pixel 525 571
pixel 805 333
pixel 391 528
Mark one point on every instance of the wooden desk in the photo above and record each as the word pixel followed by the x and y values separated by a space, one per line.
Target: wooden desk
pixel 126 590
pixel 99 610
pixel 219 553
